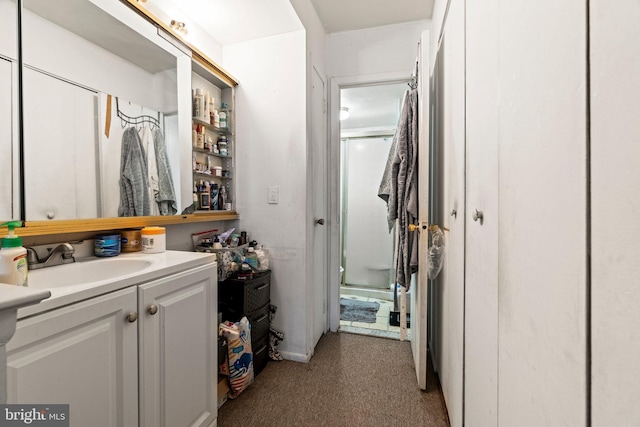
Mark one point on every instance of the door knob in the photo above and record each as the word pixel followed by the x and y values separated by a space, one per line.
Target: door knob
pixel 153 309
pixel 319 221
pixel 477 215
pixel 132 317
pixel 454 213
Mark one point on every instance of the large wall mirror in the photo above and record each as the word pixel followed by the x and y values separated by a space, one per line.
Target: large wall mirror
pixel 103 94
pixel 9 174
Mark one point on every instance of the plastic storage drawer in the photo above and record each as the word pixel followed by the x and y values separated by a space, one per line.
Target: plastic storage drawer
pixel 260 355
pixel 259 321
pixel 240 297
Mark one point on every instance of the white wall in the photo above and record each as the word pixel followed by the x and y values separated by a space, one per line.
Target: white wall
pixel 388 49
pixel 271 150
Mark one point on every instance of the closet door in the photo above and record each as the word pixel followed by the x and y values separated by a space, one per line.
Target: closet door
pixel 542 237
pixel 615 185
pixel 481 260
pixel 451 285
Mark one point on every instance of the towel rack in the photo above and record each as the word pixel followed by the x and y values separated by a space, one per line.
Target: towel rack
pixel 125 119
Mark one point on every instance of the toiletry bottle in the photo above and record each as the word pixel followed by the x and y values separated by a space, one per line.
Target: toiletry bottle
pixel 196 199
pixel 216 118
pixel 222 198
pixel 194 136
pixel 205 201
pixel 223 116
pixel 205 109
pixel 198 104
pixel 212 110
pixel 13 258
pixel 214 196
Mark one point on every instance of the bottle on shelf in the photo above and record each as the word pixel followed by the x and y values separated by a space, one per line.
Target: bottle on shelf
pixel 212 109
pixel 216 118
pixel 196 198
pixel 198 104
pixel 205 108
pixel 223 116
pixel 214 196
pixel 200 137
pixel 222 196
pixel 194 136
pixel 205 200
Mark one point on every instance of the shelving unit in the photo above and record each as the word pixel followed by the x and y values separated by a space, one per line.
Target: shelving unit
pixel 205 161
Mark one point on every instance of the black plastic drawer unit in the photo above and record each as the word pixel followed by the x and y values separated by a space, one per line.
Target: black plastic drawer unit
pixel 241 297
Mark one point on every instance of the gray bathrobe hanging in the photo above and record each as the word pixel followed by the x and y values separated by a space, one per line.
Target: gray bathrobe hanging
pixel 134 184
pixel 399 188
pixel 166 196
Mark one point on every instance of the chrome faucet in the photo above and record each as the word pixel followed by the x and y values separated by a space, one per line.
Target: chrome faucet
pixel 61 254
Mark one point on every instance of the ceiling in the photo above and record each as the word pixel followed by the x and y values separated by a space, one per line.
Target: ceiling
pixel 233 21
pixel 346 15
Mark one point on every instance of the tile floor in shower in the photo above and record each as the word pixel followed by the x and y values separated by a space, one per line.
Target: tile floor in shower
pixel 381 328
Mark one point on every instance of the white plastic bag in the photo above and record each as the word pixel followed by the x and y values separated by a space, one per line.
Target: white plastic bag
pixel 436 251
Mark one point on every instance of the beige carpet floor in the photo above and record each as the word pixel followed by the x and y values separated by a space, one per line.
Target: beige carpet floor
pixel 352 380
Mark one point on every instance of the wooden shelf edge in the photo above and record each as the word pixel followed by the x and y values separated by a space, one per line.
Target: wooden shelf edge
pixel 42 228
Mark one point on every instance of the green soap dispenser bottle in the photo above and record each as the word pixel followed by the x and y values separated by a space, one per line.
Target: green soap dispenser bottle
pixel 13 257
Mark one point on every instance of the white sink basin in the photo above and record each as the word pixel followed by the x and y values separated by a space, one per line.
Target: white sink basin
pixel 90 277
pixel 87 272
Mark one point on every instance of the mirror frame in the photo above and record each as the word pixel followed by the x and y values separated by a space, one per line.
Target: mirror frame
pixel 39 228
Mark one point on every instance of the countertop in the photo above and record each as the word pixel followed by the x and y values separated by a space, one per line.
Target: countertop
pixel 162 265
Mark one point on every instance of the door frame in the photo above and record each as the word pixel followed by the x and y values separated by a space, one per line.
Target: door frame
pixel 335 85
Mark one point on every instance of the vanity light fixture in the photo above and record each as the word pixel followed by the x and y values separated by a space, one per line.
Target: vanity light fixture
pixel 180 27
pixel 344 113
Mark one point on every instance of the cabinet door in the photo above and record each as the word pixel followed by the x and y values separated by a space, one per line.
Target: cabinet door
pixel 84 355
pixel 615 184
pixel 177 354
pixel 542 242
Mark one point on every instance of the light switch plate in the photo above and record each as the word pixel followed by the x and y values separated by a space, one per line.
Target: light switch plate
pixel 273 195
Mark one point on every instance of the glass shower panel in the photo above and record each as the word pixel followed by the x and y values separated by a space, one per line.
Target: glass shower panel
pixel 368 245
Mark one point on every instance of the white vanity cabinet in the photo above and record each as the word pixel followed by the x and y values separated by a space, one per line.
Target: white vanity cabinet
pixel 142 355
pixel 177 327
pixel 84 355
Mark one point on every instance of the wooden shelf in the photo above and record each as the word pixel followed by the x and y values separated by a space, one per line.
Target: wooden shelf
pixel 38 228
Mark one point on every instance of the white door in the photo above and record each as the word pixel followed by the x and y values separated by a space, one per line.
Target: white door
pixel 615 185
pixel 543 232
pixel 419 292
pixel 178 355
pixel 84 355
pixel 481 261
pixel 452 282
pixel 320 232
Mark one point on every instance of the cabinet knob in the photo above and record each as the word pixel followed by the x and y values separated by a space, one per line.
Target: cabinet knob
pixel 132 317
pixel 319 221
pixel 153 309
pixel 51 215
pixel 477 215
pixel 454 213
